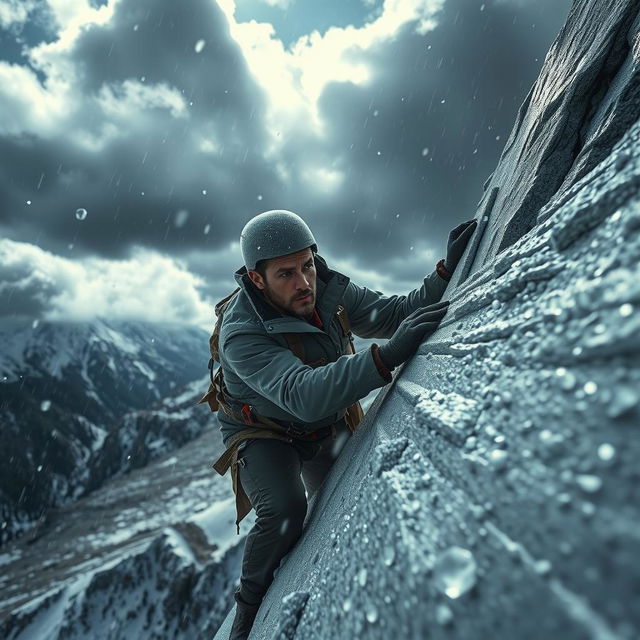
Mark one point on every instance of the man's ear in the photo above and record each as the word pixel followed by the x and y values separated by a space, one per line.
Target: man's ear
pixel 256 278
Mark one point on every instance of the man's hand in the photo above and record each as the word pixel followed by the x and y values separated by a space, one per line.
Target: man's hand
pixel 457 243
pixel 411 332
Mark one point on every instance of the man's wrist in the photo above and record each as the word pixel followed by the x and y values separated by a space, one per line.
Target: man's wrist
pixel 384 371
pixel 442 270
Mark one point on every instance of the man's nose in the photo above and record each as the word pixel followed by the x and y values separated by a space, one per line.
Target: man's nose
pixel 302 281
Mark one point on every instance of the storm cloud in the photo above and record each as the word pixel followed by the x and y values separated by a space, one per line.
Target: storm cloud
pixel 173 127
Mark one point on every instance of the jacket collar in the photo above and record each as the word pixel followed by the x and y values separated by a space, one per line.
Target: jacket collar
pixel 330 286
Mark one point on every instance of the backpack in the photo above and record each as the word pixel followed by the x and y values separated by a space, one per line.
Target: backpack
pixel 214 396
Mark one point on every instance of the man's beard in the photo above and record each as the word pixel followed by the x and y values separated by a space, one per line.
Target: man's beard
pixel 289 310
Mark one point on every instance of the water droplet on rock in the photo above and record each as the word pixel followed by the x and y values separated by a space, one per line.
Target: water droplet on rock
pixel 444 615
pixel 606 452
pixel 589 483
pixel 455 572
pixel 371 612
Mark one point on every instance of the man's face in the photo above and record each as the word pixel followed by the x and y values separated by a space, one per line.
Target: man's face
pixel 290 283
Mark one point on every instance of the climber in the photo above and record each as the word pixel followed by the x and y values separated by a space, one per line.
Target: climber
pixel 292 379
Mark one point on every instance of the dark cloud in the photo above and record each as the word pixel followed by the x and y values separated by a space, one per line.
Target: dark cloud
pixel 158 155
pixel 481 63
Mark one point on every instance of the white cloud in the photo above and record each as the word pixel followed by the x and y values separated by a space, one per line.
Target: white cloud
pixel 15 11
pixel 281 4
pixel 294 79
pixel 147 286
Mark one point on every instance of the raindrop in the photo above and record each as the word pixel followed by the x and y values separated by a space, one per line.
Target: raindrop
pixel 260 197
pixel 28 201
pixel 207 228
pixel 35 323
pixel 45 405
pixel 481 7
pixel 204 192
pixel 81 214
pixel 375 113
pixel 346 605
pixel 39 468
pixel 379 153
pixel 442 101
pixel 136 27
pixel 425 151
pixel 362 577
pixel 625 310
pixel 143 78
pixel 181 217
pixel 455 572
pixel 199 46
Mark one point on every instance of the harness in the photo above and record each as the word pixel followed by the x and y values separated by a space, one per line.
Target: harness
pixel 259 426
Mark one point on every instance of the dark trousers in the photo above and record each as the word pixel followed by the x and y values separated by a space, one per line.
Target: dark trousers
pixel 274 475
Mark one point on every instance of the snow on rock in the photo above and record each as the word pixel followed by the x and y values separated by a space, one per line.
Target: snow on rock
pixel 451 414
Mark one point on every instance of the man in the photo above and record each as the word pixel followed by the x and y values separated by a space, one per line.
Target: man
pixel 300 407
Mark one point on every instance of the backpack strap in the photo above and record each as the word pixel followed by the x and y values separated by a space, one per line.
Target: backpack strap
pixel 295 344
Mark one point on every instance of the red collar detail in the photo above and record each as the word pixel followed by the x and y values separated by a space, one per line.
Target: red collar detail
pixel 315 319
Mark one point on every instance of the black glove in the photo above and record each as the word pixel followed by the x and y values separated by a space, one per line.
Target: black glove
pixel 457 243
pixel 411 332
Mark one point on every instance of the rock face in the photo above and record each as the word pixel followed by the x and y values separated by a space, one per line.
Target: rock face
pixel 492 489
pixel 80 402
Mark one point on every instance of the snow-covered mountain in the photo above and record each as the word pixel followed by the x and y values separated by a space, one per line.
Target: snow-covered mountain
pixel 80 402
pixel 152 554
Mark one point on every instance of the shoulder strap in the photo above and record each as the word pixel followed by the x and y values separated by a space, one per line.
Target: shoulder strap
pixel 345 323
pixel 295 344
pixel 215 336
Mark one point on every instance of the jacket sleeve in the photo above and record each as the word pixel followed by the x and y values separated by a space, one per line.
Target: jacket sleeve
pixel 375 315
pixel 310 394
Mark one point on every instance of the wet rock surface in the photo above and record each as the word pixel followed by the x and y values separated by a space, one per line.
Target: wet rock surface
pixel 493 490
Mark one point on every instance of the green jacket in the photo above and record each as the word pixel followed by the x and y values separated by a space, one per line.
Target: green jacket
pixel 260 369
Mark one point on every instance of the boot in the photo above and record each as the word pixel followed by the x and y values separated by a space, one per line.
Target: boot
pixel 243 621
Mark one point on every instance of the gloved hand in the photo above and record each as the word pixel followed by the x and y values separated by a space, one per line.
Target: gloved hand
pixel 457 243
pixel 411 332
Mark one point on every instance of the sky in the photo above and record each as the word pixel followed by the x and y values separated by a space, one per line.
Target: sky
pixel 137 137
